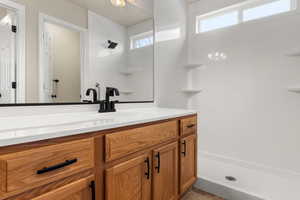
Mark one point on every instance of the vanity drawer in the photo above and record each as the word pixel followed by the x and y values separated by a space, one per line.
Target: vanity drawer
pixel 46 164
pixel 188 125
pixel 125 142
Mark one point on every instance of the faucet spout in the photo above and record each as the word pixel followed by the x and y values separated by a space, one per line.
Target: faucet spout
pixel 95 96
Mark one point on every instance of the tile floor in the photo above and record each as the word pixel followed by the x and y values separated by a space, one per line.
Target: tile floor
pixel 199 195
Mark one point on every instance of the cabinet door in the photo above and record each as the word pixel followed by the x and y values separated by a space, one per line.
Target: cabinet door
pixel 82 189
pixel 165 173
pixel 130 180
pixel 188 162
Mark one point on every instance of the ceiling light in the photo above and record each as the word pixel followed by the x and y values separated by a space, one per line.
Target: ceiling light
pixel 118 3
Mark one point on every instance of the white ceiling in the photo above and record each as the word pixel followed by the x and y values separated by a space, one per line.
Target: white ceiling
pixel 133 13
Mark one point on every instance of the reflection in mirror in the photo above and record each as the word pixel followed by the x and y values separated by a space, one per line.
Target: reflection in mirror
pixel 128 64
pixel 60 71
pixel 113 48
pixel 7 55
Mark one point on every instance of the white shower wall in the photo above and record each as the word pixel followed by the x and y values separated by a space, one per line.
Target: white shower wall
pixel 107 65
pixel 249 121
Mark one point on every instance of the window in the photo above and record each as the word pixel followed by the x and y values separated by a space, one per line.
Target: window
pixel 217 22
pixel 243 12
pixel 268 9
pixel 171 33
pixel 141 40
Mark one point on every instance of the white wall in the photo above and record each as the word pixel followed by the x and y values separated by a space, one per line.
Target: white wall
pixel 105 64
pixel 66 63
pixel 170 52
pixel 249 125
pixel 61 9
pixel 141 61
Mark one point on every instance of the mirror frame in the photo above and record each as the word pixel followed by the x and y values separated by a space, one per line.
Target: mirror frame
pixel 70 103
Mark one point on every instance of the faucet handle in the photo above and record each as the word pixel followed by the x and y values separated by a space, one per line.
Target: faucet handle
pixel 117 93
pixel 110 91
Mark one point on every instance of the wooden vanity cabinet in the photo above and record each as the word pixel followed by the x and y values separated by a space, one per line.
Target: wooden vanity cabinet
pixel 83 189
pixel 153 161
pixel 188 159
pixel 130 180
pixel 165 172
pixel 43 165
pixel 153 175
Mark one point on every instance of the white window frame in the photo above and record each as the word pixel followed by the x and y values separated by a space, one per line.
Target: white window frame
pixel 140 37
pixel 240 8
pixel 215 14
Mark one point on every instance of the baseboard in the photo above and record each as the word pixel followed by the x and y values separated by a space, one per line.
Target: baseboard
pixel 223 191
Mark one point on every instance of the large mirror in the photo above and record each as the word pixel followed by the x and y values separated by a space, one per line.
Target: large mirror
pixel 72 50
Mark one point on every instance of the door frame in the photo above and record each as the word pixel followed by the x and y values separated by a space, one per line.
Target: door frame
pixel 20 49
pixel 43 18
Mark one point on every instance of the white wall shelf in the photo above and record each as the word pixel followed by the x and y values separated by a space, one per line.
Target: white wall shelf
pixel 191 91
pixel 294 89
pixel 194 66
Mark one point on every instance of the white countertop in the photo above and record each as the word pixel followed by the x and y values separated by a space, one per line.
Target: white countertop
pixel 17 130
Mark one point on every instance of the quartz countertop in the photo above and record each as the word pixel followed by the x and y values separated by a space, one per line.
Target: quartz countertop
pixel 18 130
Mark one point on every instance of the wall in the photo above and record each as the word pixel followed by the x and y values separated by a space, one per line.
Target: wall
pixel 170 52
pixel 249 125
pixel 106 65
pixel 141 61
pixel 57 8
pixel 66 64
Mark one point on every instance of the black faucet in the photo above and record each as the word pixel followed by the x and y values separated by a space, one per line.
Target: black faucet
pixel 107 105
pixel 95 96
pixel 111 92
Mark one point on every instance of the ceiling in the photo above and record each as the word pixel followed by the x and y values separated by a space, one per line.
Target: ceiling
pixel 135 12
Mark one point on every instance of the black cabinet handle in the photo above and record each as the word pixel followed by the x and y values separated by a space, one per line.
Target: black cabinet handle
pixel 147 161
pixel 55 167
pixel 93 189
pixel 184 148
pixel 190 126
pixel 158 162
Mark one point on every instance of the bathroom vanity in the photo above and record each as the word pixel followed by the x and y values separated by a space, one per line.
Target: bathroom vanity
pixel 91 55
pixel 136 156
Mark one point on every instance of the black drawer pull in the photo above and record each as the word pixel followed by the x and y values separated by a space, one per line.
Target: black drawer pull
pixel 184 148
pixel 190 126
pixel 147 161
pixel 93 189
pixel 55 167
pixel 158 162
